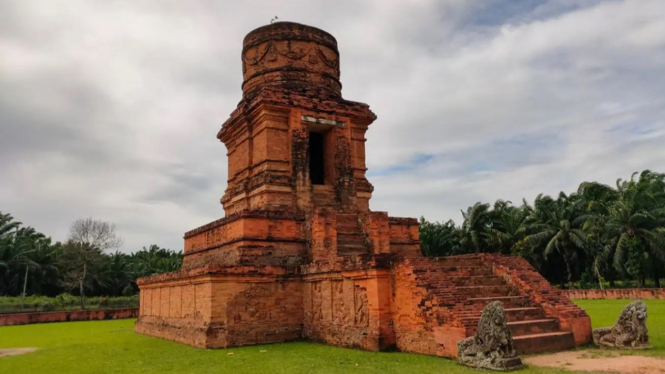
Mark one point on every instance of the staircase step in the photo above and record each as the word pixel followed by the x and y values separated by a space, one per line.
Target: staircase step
pixel 347 229
pixel 460 261
pixel 536 326
pixel 347 220
pixel 545 342
pixel 482 280
pixel 352 243
pixel 521 328
pixel 488 291
pixel 355 247
pixel 524 314
pixel 470 318
pixel 469 271
pixel 323 195
pixel 358 237
pixel 507 301
pixel 352 251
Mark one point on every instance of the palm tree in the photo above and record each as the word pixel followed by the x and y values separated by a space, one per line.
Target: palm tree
pixel 7 224
pixel 637 221
pixel 21 260
pixel 46 279
pixel 476 228
pixel 117 274
pixel 439 239
pixel 155 260
pixel 508 225
pixel 557 225
pixel 597 199
pixel 8 229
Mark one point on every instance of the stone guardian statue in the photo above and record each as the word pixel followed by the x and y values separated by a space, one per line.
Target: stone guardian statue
pixel 630 330
pixel 492 345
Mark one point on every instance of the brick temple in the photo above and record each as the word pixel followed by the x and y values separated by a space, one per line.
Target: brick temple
pixel 300 255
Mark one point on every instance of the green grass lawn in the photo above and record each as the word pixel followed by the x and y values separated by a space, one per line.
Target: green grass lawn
pixel 113 347
pixel 606 312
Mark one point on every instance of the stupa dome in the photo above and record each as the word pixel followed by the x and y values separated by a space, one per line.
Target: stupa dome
pixel 292 56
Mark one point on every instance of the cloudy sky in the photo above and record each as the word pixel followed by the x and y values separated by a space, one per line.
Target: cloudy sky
pixel 109 109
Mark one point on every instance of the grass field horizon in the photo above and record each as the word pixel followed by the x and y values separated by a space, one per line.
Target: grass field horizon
pixel 113 347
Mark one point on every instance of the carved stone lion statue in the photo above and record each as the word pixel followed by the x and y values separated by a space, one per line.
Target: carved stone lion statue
pixel 492 346
pixel 629 331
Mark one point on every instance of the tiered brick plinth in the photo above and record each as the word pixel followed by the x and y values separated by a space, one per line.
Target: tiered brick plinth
pixel 300 255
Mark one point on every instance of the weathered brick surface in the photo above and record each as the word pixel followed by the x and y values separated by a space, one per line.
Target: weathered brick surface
pixel 414 327
pixel 294 260
pixel 349 309
pixel 66 316
pixel 216 307
pixel 258 313
pixel 617 293
pixel 290 55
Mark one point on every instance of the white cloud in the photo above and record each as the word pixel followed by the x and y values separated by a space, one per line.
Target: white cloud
pixel 110 109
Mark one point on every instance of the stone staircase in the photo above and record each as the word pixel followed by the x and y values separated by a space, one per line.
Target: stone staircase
pixel 323 196
pixel 351 240
pixel 462 286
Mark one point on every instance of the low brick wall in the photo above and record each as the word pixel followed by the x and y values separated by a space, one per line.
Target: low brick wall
pixel 66 316
pixel 617 293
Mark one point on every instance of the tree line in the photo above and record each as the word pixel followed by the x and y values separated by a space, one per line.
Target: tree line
pixel 87 264
pixel 597 235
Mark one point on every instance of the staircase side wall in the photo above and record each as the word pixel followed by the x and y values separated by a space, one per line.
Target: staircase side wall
pixel 421 325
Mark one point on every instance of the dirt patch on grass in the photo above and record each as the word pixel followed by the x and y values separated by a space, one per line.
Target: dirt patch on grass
pixel 15 351
pixel 600 361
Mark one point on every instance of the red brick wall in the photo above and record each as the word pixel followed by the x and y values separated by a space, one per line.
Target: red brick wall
pixel 185 300
pixel 256 238
pixel 248 226
pixel 349 309
pixel 218 307
pixel 66 316
pixel 413 330
pixel 262 305
pixel 617 293
pixel 264 311
pixel 430 312
pixel 404 237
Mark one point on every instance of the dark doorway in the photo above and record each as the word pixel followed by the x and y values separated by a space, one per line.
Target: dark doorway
pixel 316 158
